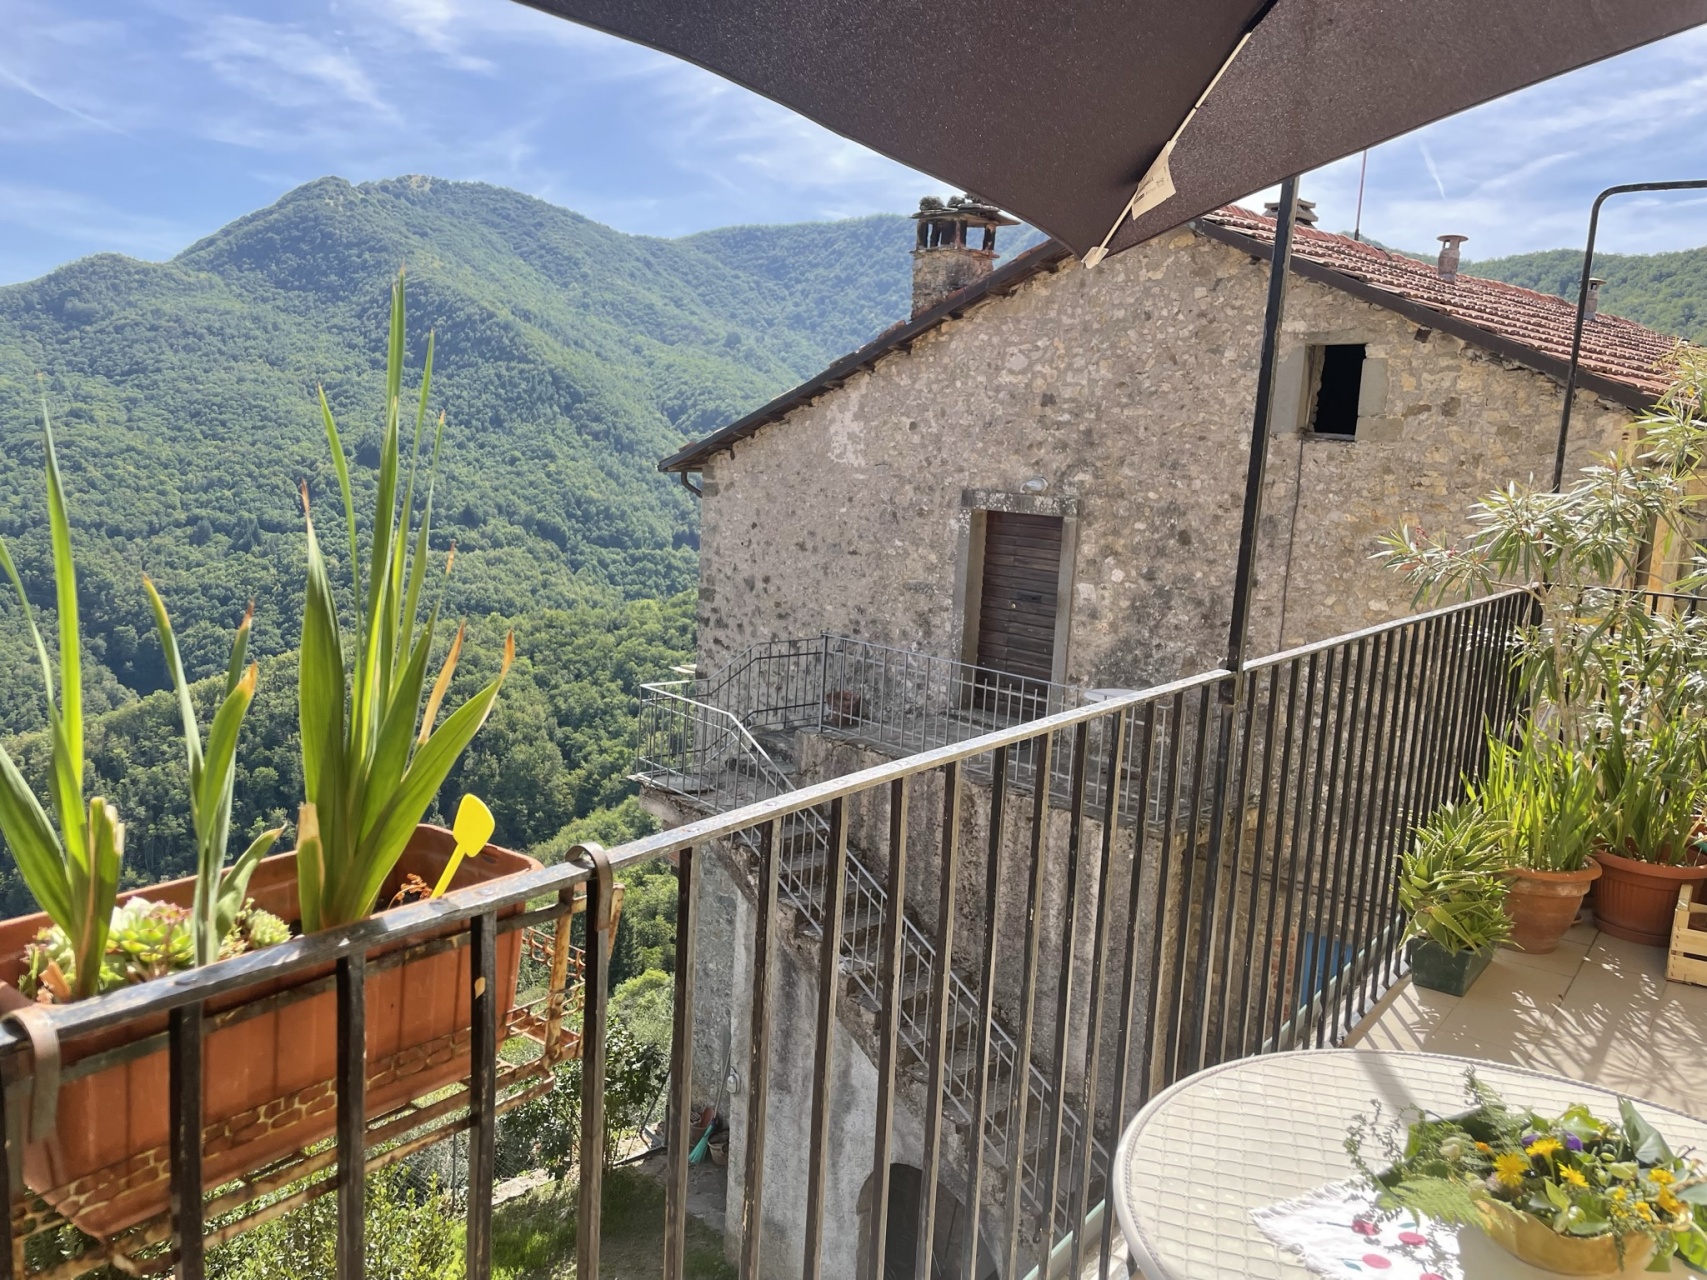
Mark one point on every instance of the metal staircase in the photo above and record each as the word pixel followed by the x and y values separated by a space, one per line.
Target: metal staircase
pixel 710 760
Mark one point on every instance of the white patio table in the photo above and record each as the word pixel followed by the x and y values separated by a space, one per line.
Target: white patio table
pixel 1204 1153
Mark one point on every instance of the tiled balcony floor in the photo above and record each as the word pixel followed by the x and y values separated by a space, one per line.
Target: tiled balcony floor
pixel 1598 1009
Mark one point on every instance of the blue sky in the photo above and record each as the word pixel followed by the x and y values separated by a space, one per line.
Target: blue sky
pixel 141 125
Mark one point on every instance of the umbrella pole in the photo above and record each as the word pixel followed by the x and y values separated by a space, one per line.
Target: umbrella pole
pixel 1279 268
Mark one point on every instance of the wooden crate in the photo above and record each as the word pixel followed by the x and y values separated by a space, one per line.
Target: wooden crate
pixel 1687 960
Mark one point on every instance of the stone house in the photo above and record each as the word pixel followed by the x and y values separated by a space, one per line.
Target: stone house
pixel 1114 405
pixel 1040 474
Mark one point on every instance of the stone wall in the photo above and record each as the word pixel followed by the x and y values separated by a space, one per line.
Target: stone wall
pixel 1127 390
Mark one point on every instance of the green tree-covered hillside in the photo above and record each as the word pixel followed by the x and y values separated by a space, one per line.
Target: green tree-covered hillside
pixel 570 357
pixel 1665 291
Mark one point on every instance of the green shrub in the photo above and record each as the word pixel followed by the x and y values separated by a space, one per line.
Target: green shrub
pixel 534 1236
pixel 411 1235
pixel 545 1133
pixel 646 1006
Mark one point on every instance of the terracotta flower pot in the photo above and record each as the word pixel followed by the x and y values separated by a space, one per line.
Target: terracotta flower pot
pixel 1635 900
pixel 267 1078
pixel 1542 905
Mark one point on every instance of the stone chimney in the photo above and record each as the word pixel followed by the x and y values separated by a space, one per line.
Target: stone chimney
pixel 1448 263
pixel 1593 306
pixel 1306 217
pixel 945 257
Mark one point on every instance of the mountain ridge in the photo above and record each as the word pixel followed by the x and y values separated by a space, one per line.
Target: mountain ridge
pixel 570 356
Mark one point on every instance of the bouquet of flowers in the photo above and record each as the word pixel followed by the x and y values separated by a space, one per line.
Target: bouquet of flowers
pixel 1570 1193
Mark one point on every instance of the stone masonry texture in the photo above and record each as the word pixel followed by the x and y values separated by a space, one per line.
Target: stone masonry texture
pixel 1128 389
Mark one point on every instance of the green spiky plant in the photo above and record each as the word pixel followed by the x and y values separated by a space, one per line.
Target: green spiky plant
pixel 220 890
pixel 74 871
pixel 1450 886
pixel 369 773
pixel 1540 796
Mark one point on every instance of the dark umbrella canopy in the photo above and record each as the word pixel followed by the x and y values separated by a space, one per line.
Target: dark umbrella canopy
pixel 1057 109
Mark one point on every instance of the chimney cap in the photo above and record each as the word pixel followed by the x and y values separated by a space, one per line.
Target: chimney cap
pixel 1452 242
pixel 1306 216
pixel 964 208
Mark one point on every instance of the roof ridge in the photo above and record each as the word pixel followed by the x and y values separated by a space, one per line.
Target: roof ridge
pixel 1620 357
pixel 1417 264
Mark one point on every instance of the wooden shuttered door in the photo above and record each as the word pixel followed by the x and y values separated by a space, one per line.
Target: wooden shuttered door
pixel 1021 578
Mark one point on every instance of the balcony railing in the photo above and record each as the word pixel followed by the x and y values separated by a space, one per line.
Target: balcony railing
pixel 897 701
pixel 1242 900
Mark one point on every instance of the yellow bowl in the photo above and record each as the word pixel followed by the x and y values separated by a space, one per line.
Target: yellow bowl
pixel 1534 1242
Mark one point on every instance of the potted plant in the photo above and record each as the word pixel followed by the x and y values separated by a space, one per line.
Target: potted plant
pixel 1609 754
pixel 1571 1194
pixel 73 872
pixel 1453 895
pixel 375 756
pixel 1653 784
pixel 1539 800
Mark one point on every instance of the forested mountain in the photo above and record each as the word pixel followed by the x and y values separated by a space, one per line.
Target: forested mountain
pixel 568 358
pixel 1665 291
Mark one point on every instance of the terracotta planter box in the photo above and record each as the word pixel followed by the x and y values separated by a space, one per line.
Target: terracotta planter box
pixel 1635 900
pixel 267 1079
pixel 1542 905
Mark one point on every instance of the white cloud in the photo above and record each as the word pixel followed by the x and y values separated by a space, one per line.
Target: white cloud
pixel 57 102
pixel 285 66
pixel 452 28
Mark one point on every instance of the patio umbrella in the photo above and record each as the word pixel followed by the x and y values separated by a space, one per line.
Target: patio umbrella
pixel 1104 122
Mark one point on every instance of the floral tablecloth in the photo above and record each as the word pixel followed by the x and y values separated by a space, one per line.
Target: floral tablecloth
pixel 1335 1231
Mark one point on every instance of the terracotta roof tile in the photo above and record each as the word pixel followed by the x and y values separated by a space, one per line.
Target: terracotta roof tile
pixel 1619 349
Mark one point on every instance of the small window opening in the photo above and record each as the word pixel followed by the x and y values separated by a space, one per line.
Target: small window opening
pixel 1337 391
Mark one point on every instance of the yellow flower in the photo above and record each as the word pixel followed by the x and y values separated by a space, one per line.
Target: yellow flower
pixel 1644 1211
pixel 1483 1147
pixel 1545 1146
pixel 1572 1176
pixel 1619 1195
pixel 1662 1177
pixel 1669 1204
pixel 1510 1169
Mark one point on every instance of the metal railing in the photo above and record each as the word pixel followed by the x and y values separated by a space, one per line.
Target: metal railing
pixel 1258 913
pixel 897 701
pixel 1254 897
pixel 706 757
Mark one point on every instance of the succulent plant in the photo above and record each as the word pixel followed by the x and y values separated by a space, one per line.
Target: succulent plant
pixel 144 940
pixel 253 929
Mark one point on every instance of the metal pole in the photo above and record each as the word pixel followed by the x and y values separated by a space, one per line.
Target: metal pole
pixel 1695 184
pixel 1279 265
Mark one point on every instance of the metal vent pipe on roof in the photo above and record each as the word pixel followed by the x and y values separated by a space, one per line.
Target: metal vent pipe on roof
pixel 1448 263
pixel 1591 304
